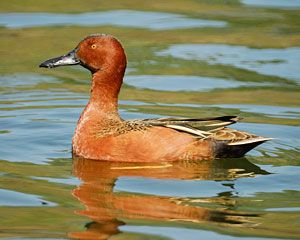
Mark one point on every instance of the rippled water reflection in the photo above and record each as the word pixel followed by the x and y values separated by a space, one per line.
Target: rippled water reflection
pixel 45 194
pixel 281 4
pixel 276 62
pixel 184 83
pixel 107 202
pixel 123 18
pixel 17 199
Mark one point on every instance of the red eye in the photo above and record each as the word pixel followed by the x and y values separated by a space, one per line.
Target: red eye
pixel 93 46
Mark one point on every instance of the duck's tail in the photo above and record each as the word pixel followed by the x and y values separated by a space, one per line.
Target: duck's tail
pixel 224 149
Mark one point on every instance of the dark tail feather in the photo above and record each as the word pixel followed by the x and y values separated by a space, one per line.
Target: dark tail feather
pixel 237 149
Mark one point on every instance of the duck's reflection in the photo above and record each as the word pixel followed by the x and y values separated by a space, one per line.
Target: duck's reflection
pixel 107 208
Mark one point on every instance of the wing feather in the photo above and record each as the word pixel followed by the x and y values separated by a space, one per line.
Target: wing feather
pixel 213 128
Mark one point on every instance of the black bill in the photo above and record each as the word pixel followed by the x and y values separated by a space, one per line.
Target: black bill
pixel 68 59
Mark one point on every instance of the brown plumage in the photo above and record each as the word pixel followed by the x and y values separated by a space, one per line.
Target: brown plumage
pixel 101 134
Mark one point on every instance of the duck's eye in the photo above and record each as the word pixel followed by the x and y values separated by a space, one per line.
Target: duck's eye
pixel 93 46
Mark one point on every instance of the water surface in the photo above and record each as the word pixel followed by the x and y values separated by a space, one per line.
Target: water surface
pixel 184 83
pixel 17 199
pixel 275 62
pixel 47 194
pixel 122 18
pixel 281 4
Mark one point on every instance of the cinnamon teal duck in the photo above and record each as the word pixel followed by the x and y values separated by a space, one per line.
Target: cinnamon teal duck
pixel 102 134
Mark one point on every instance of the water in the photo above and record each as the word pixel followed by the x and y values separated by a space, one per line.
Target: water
pixel 175 233
pixel 17 199
pixel 184 83
pixel 45 194
pixel 271 111
pixel 275 62
pixel 122 18
pixel 281 4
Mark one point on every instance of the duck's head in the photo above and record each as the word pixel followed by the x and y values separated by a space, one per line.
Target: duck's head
pixel 96 52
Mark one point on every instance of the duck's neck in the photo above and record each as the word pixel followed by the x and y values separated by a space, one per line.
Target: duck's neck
pixel 106 84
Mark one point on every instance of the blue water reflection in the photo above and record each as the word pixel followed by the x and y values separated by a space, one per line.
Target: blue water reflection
pixel 283 62
pixel 281 4
pixel 18 199
pixel 121 18
pixel 185 83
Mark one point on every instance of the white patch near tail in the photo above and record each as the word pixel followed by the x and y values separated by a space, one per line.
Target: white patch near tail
pixel 251 140
pixel 190 130
pixel 220 124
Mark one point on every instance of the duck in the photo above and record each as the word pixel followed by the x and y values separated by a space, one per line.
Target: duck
pixel 101 134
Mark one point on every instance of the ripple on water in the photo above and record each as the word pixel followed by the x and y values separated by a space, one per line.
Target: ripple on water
pixel 122 18
pixel 171 188
pixel 288 179
pixel 284 209
pixel 17 199
pixel 184 83
pixel 44 120
pixel 25 79
pixel 47 130
pixel 68 181
pixel 179 233
pixel 270 111
pixel 274 62
pixel 281 4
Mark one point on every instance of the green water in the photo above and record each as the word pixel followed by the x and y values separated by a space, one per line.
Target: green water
pixel 186 58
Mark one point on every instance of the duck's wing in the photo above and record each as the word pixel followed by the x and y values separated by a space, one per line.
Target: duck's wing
pixel 227 142
pixel 214 128
pixel 199 127
pixel 196 123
